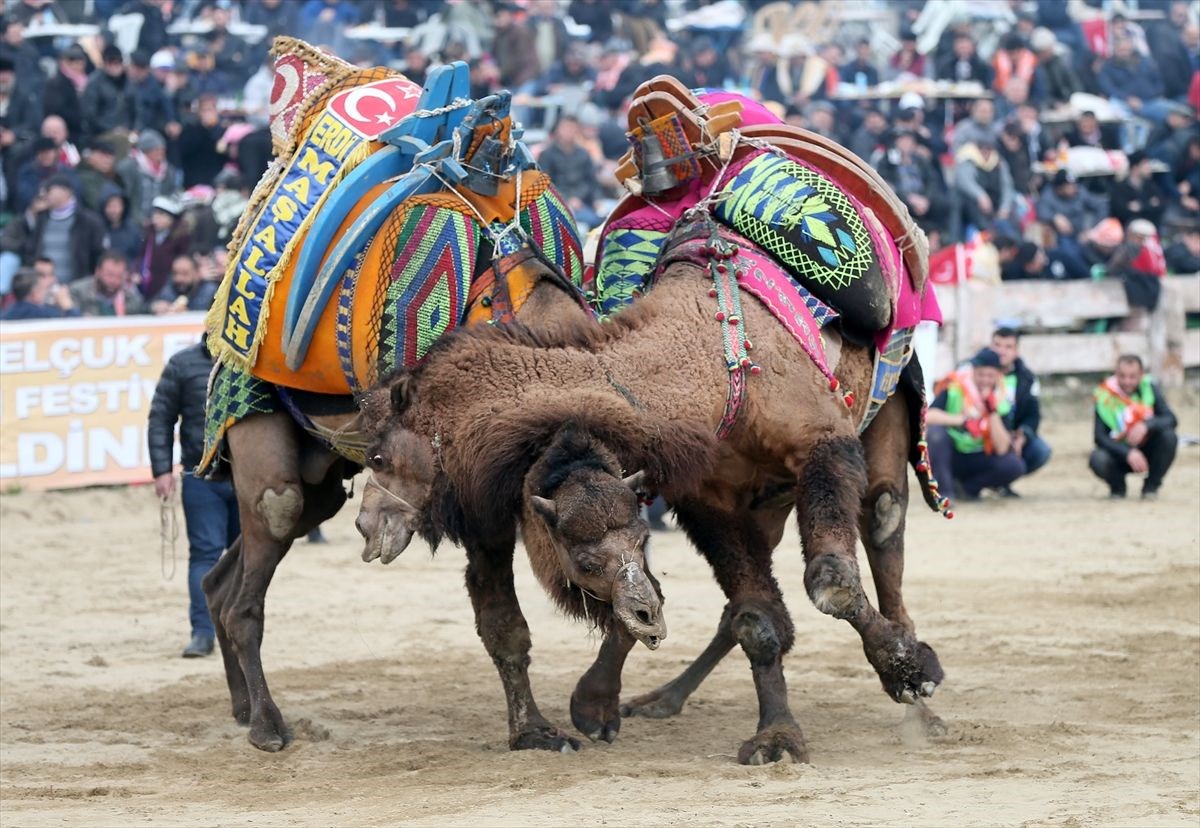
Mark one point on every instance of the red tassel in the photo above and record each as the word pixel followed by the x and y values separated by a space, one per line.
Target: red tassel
pixel 712 293
pixel 756 370
pixel 849 400
pixel 833 384
pixel 733 320
pixel 720 316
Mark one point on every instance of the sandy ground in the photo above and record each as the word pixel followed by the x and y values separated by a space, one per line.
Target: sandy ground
pixel 1069 628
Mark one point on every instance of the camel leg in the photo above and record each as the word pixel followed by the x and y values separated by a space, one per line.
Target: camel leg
pixel 832 484
pixel 669 699
pixel 595 704
pixel 740 555
pixel 275 508
pixel 882 523
pixel 505 635
pixel 217 588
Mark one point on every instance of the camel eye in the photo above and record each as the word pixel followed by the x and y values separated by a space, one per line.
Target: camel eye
pixel 376 462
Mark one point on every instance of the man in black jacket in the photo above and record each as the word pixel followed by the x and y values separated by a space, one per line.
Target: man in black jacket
pixel 1025 416
pixel 209 509
pixel 1134 429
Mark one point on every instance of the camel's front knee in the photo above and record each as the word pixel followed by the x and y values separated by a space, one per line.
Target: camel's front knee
pixel 763 634
pixel 886 515
pixel 280 510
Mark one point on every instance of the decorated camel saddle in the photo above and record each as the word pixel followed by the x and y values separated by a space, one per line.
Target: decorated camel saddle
pixel 383 222
pixel 776 212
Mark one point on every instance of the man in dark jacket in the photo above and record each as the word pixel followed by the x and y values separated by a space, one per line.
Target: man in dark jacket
pixel 209 508
pixel 107 100
pixel 58 227
pixel 63 90
pixel 152 106
pixel 38 297
pixel 1025 416
pixel 1134 429
pixel 571 170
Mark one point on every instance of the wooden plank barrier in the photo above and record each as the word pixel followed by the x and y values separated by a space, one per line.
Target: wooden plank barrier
pixel 1054 317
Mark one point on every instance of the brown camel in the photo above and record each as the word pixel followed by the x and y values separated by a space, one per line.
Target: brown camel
pixel 664 357
pixel 288 483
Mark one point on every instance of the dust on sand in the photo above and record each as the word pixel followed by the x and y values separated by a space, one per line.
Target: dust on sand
pixel 1069 627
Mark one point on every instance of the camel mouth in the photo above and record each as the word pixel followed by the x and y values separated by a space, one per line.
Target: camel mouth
pixel 388 542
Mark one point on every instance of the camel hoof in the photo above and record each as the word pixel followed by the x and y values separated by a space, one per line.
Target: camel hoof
pixel 599 720
pixel 907 668
pixel 655 705
pixel 780 743
pixel 544 737
pixel 269 738
pixel 927 689
pixel 834 586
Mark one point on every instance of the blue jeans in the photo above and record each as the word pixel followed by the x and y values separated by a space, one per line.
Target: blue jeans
pixel 1035 454
pixel 211 513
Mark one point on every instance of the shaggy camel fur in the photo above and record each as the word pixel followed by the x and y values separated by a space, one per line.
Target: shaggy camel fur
pixel 287 483
pixel 663 356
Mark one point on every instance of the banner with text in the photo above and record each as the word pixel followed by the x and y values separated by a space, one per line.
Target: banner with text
pixel 75 395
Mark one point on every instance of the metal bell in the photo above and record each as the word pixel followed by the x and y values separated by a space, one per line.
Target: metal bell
pixel 656 169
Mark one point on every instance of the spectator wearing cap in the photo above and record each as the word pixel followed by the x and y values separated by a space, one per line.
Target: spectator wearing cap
pixel 57 227
pixel 120 233
pixel 1134 430
pixel 911 116
pixel 1168 141
pixel 1140 265
pixel 1070 209
pixel 985 184
pixel 201 157
pixel 145 175
pixel 1138 195
pixel 37 296
pixel 152 106
pixel 153 34
pixel 96 172
pixel 914 178
pixel 107 292
pixel 963 63
pixel 860 71
pixel 1025 417
pixel 1013 60
pixel 970 446
pixel 34 173
pixel 1055 79
pixel 63 90
pixel 166 239
pixel 107 100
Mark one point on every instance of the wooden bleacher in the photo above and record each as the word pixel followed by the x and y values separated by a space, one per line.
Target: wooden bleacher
pixel 1055 319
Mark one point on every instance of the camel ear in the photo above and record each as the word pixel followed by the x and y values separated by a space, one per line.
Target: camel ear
pixel 546 508
pixel 401 394
pixel 635 480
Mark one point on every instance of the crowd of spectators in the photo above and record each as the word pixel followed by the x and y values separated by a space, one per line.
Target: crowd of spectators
pixel 124 172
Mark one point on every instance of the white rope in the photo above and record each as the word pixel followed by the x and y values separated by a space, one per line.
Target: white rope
pixel 372 481
pixel 168 534
pixel 457 103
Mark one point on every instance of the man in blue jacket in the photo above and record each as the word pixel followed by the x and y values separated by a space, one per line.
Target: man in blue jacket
pixel 1133 81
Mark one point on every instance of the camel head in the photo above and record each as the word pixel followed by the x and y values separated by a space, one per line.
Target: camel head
pixel 591 516
pixel 395 502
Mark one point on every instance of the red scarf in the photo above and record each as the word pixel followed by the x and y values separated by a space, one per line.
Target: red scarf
pixel 1150 258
